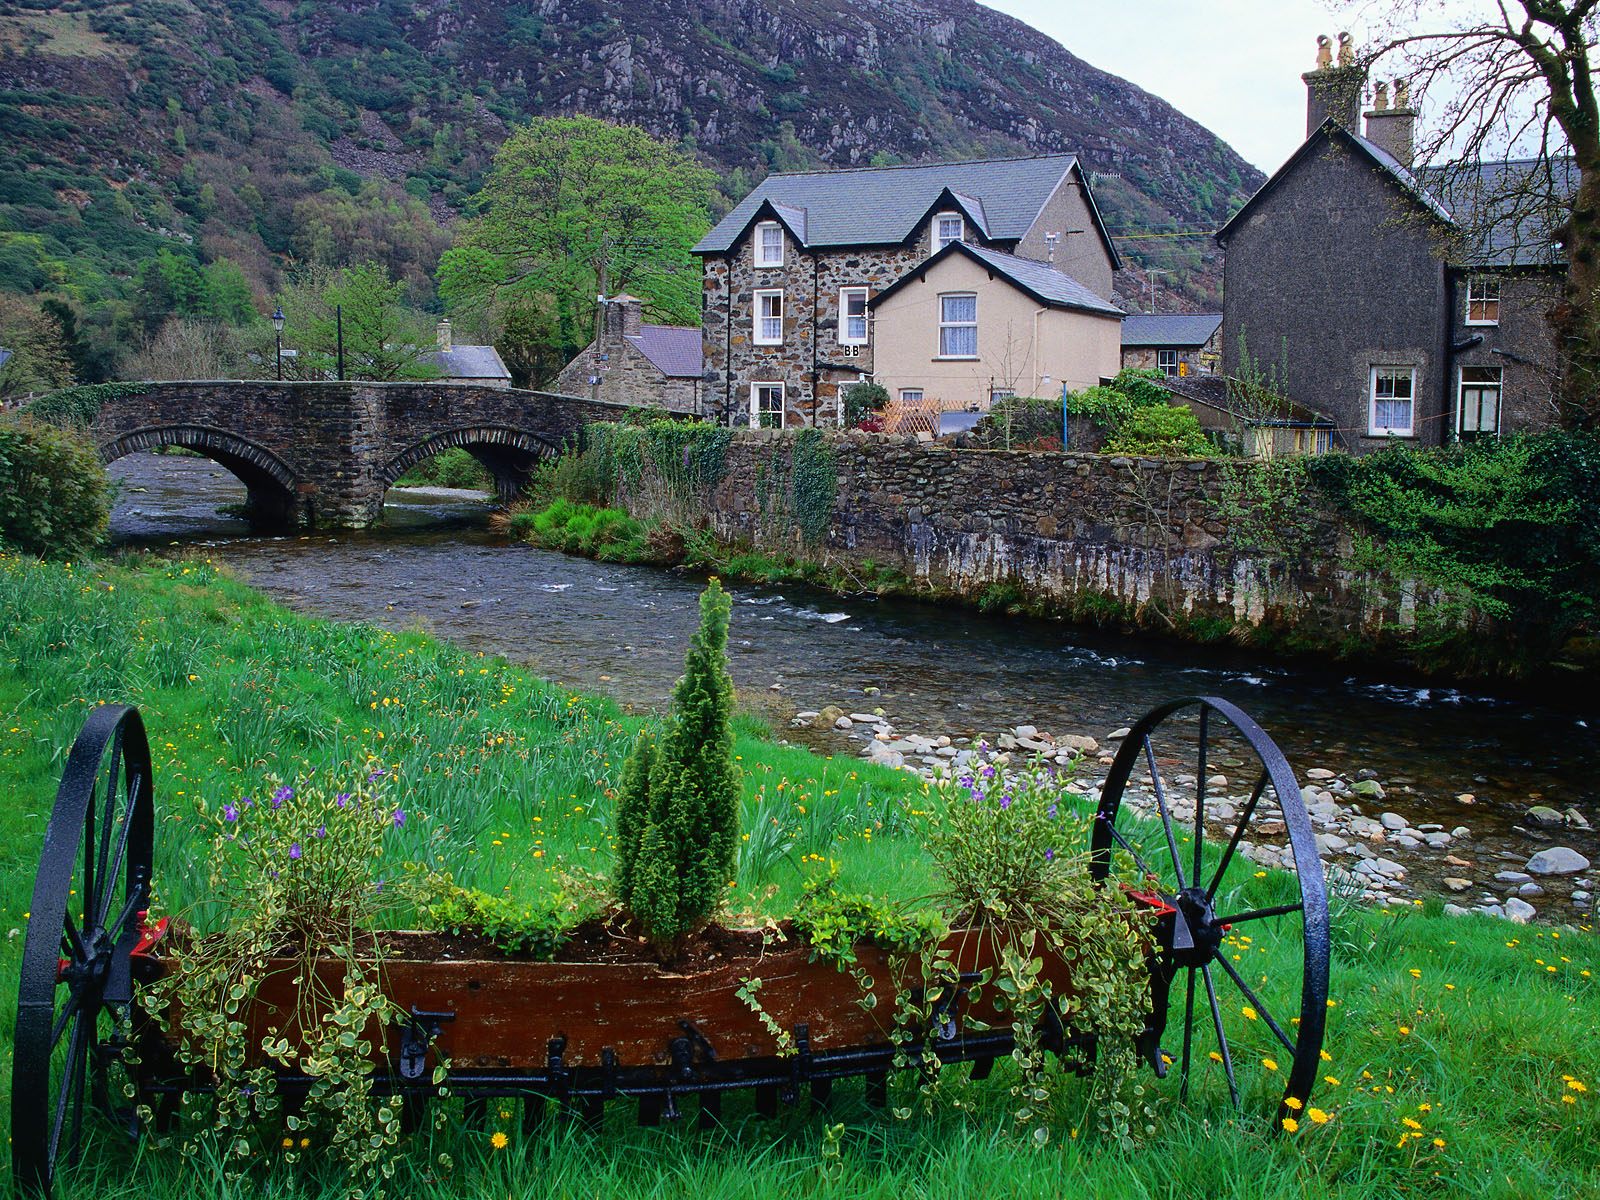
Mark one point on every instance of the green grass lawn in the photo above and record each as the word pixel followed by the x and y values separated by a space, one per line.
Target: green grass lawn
pixel 1460 1051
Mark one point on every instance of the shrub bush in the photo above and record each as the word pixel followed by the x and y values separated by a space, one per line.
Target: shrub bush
pixel 454 468
pixel 677 822
pixel 1160 431
pixel 55 496
pixel 862 402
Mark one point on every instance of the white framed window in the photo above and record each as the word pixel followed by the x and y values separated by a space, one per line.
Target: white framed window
pixel 1483 300
pixel 910 395
pixel 948 227
pixel 769 244
pixel 1167 362
pixel 1478 402
pixel 958 325
pixel 998 394
pixel 853 316
pixel 769 317
pixel 766 406
pixel 1393 395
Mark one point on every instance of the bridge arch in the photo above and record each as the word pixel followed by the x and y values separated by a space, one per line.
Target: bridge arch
pixel 506 452
pixel 276 495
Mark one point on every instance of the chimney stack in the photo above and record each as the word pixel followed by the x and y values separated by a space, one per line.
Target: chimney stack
pixel 1334 91
pixel 443 333
pixel 1393 129
pixel 625 314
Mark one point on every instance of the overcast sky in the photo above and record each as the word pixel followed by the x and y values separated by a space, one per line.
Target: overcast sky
pixel 1232 65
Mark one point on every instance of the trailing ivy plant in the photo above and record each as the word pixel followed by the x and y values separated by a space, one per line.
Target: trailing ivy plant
pixel 814 484
pixel 78 406
pixel 1509 528
pixel 299 872
pixel 677 822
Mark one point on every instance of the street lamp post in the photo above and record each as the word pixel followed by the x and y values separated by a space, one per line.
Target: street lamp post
pixel 277 330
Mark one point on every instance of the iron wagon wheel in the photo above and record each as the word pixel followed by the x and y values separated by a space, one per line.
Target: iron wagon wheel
pixel 1254 941
pixel 76 988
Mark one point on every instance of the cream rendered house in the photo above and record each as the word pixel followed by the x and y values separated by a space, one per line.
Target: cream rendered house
pixel 971 325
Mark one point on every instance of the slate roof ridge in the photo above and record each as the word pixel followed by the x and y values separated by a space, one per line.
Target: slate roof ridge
pixel 1041 280
pixel 920 166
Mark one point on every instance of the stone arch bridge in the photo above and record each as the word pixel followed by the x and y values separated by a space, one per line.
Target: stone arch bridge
pixel 322 455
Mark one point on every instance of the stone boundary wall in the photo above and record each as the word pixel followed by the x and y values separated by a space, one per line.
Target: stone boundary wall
pixel 1083 535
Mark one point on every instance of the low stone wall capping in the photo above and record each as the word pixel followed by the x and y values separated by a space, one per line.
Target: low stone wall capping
pixel 1074 533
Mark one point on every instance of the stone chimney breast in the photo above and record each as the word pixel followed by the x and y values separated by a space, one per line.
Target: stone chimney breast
pixel 628 314
pixel 443 335
pixel 1393 129
pixel 1334 91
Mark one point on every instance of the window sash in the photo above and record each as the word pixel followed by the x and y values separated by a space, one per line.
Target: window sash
pixel 1392 395
pixel 910 395
pixel 1478 400
pixel 958 325
pixel 769 318
pixel 1483 300
pixel 769 245
pixel 947 228
pixel 1167 362
pixel 766 405
pixel 853 316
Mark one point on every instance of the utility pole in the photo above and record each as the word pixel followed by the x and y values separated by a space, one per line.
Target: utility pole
pixel 338 324
pixel 1151 280
pixel 603 268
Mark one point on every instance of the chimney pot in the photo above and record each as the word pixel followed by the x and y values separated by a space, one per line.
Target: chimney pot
pixel 1393 129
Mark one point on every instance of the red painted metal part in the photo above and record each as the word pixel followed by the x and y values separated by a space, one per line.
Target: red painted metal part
pixel 149 936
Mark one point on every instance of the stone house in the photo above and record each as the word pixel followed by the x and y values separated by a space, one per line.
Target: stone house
pixel 791 272
pixel 972 324
pixel 1176 344
pixel 1402 302
pixel 458 363
pixel 634 362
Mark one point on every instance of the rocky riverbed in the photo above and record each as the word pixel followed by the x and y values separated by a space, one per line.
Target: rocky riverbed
pixel 1372 834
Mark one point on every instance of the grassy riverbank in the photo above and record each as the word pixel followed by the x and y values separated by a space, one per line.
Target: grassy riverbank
pixel 1461 1051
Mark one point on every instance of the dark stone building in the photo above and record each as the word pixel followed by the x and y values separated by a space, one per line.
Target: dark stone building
pixel 1400 302
pixel 635 362
pixel 1176 344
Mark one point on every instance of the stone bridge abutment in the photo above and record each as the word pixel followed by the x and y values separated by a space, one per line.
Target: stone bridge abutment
pixel 322 455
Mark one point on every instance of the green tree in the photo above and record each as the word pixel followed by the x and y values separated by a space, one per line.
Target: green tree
pixel 1160 431
pixel 384 337
pixel 40 358
pixel 576 207
pixel 677 823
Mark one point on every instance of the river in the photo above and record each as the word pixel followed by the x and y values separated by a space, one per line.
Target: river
pixel 622 630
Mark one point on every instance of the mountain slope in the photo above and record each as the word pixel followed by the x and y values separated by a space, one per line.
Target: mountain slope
pixel 259 129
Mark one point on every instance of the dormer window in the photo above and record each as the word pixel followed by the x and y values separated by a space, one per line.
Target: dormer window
pixel 1483 300
pixel 769 244
pixel 947 227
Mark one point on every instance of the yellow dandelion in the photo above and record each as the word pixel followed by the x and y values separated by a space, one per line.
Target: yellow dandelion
pixel 1405 1030
pixel 1249 1013
pixel 1269 1064
pixel 1290 1124
pixel 1318 1116
pixel 1292 1102
pixel 1215 1057
pixel 1567 1098
pixel 288 1143
pixel 1439 1142
pixel 1576 1086
pixel 498 1140
pixel 1409 1123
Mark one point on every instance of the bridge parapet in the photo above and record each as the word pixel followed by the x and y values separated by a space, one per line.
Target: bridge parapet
pixel 322 455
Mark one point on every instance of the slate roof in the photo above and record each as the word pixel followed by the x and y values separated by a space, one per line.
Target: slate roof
pixel 676 351
pixel 868 206
pixel 5 356
pixel 468 362
pixel 1212 391
pixel 1485 200
pixel 1040 280
pixel 1169 329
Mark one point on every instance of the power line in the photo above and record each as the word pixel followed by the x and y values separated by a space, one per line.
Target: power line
pixel 1188 233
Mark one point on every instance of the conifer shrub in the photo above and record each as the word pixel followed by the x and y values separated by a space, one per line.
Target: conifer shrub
pixel 677 822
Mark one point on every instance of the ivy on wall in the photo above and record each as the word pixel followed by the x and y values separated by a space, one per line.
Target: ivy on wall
pixel 78 406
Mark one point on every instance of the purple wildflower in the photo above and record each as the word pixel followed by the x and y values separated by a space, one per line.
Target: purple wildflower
pixel 988 772
pixel 246 802
pixel 399 818
pixel 1005 800
pixel 322 831
pixel 376 775
pixel 282 794
pixel 294 850
pixel 1049 854
pixel 966 782
pixel 342 799
pixel 1051 812
pixel 977 796
pixel 230 813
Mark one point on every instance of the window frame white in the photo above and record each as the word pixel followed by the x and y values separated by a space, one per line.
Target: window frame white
pixel 912 395
pixel 760 253
pixel 939 239
pixel 1498 386
pixel 1397 370
pixel 1489 294
pixel 757 317
pixel 756 385
pixel 946 324
pixel 846 338
pixel 1162 356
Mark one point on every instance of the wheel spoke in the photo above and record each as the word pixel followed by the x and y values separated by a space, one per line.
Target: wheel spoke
pixel 1255 1002
pixel 1188 1036
pixel 122 849
pixel 1238 833
pixel 71 942
pixel 1124 843
pixel 108 820
pixel 1222 1038
pixel 129 908
pixel 1166 816
pixel 1256 914
pixel 68 1011
pixel 74 1046
pixel 1200 796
